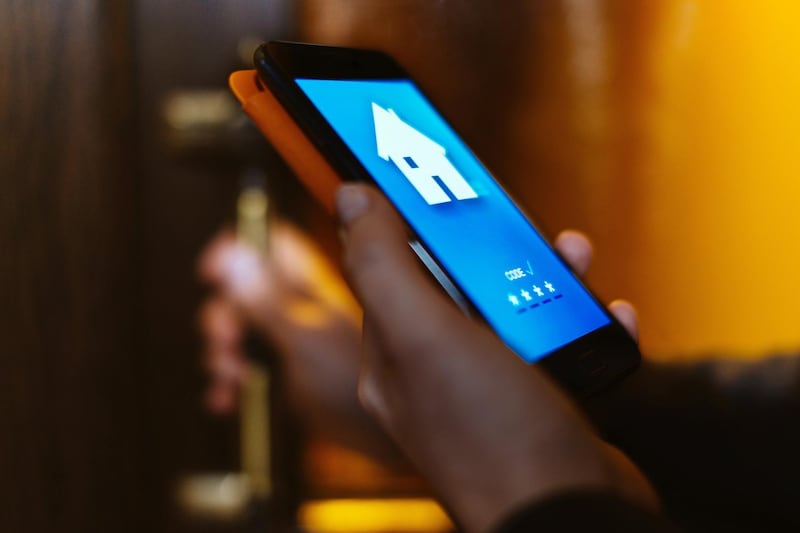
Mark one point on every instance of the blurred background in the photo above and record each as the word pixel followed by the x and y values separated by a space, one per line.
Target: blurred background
pixel 666 130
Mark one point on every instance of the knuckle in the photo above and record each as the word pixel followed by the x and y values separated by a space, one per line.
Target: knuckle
pixel 369 397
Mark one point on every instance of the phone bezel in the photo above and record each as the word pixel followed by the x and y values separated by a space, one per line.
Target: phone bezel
pixel 585 365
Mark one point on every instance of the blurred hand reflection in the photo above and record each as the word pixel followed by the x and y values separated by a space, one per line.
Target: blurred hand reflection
pixel 298 301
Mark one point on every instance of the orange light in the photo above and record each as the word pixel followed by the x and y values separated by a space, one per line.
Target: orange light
pixel 407 515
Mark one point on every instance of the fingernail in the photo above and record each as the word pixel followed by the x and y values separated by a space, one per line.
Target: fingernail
pixel 351 202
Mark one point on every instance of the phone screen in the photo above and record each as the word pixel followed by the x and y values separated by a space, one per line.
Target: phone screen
pixel 463 217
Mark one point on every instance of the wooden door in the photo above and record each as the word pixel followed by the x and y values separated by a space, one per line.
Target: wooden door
pixel 69 253
pixel 100 379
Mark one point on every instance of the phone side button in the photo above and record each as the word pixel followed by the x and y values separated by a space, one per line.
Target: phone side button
pixel 591 363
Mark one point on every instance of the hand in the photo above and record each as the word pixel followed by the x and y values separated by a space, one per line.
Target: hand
pixel 487 431
pixel 297 300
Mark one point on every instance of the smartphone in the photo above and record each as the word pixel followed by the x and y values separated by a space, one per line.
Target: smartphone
pixel 368 119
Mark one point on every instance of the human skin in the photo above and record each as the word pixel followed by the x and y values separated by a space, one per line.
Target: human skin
pixel 488 432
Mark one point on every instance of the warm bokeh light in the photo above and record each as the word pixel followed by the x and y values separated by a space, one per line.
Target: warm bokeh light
pixel 665 129
pixel 717 235
pixel 670 131
pixel 373 516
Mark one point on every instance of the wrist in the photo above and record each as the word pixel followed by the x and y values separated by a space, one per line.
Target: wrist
pixel 481 501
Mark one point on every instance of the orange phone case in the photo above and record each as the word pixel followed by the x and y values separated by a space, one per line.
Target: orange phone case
pixel 285 135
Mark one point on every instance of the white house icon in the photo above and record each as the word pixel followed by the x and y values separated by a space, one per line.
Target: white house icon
pixel 422 161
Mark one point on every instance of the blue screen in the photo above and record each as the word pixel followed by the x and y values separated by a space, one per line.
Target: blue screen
pixel 466 221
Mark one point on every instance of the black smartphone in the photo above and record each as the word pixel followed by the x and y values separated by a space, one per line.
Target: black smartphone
pixel 372 123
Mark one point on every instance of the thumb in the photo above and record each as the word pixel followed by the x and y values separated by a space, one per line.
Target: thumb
pixel 382 268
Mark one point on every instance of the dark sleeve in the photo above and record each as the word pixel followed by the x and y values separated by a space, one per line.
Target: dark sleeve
pixel 594 512
pixel 718 439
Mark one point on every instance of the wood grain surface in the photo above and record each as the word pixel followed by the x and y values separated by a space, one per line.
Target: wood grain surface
pixel 69 380
pixel 101 376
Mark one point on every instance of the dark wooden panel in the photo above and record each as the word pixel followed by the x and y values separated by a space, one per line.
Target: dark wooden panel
pixel 69 382
pixel 100 378
pixel 185 45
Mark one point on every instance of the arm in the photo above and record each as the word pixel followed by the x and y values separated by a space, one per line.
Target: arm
pixel 598 512
pixel 488 432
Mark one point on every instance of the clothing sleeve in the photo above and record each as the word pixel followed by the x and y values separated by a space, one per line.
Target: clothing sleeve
pixel 718 439
pixel 594 512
